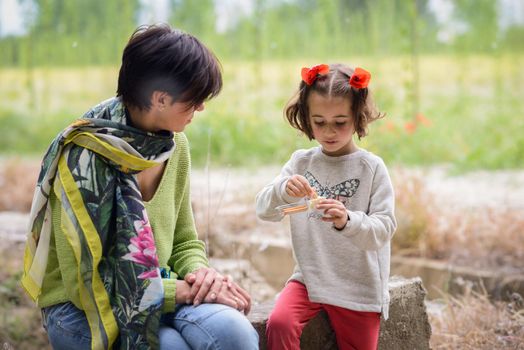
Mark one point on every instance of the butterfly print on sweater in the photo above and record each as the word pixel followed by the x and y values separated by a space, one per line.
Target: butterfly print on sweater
pixel 341 192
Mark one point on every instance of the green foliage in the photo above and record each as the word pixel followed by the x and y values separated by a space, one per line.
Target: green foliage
pixel 480 16
pixel 72 33
pixel 469 111
pixel 94 32
pixel 183 16
pixel 241 140
pixel 28 134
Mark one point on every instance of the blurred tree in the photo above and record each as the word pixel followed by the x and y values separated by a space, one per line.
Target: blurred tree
pixel 513 38
pixel 480 17
pixel 76 31
pixel 196 17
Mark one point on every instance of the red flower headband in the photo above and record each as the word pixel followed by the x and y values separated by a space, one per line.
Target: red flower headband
pixel 309 75
pixel 359 79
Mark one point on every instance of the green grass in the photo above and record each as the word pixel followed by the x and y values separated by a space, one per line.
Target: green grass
pixel 473 104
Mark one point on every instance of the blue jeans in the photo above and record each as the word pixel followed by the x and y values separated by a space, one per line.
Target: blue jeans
pixel 208 326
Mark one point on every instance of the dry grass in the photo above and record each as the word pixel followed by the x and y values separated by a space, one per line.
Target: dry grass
pixel 20 319
pixel 473 322
pixel 467 322
pixel 489 238
pixel 415 213
pixel 17 184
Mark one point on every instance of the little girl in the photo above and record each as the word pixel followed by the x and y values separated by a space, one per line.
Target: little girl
pixel 342 255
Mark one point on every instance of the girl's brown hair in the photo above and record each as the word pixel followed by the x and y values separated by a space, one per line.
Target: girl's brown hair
pixel 333 84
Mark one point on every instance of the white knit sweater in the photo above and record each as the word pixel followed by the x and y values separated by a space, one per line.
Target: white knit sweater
pixel 347 268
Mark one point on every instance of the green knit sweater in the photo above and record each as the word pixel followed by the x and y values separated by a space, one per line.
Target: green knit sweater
pixel 171 218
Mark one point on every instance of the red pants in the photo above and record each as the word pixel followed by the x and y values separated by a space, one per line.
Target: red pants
pixel 353 329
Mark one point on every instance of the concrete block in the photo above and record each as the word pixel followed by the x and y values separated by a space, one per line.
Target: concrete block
pixel 407 327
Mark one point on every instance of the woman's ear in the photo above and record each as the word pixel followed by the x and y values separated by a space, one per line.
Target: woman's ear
pixel 159 100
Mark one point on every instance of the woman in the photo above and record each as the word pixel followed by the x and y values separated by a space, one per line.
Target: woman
pixel 112 256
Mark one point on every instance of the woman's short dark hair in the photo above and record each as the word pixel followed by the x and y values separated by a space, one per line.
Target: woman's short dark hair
pixel 334 84
pixel 159 58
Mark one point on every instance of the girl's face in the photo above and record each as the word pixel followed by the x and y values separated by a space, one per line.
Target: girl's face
pixel 332 125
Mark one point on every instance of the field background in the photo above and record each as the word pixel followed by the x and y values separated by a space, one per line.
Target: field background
pixel 449 74
pixel 470 110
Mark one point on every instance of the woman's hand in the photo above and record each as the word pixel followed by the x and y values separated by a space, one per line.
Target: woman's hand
pixel 233 295
pixel 334 211
pixel 182 292
pixel 222 291
pixel 298 186
pixel 205 282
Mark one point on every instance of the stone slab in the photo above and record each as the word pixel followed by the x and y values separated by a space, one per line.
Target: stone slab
pixel 407 327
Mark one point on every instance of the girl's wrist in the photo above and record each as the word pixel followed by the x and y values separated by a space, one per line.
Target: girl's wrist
pixel 343 226
pixel 339 228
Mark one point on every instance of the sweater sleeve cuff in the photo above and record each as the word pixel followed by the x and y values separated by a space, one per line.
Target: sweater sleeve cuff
pixel 196 266
pixel 169 295
pixel 353 224
pixel 196 261
pixel 193 267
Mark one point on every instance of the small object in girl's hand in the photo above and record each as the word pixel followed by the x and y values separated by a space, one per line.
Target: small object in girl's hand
pixel 299 207
pixel 292 208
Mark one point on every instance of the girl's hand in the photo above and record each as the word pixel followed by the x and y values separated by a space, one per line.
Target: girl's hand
pixel 334 211
pixel 298 186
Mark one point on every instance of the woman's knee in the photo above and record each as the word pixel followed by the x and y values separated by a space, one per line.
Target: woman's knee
pixel 215 326
pixel 236 330
pixel 170 339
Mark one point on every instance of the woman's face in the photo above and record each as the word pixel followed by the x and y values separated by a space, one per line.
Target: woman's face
pixel 174 116
pixel 331 122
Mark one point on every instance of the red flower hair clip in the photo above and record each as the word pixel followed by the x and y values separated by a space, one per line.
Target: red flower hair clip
pixel 360 78
pixel 309 75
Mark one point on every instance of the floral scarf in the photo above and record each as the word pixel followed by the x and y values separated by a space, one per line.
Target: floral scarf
pixel 90 167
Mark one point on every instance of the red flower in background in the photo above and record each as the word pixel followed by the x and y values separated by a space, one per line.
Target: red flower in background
pixel 410 127
pixel 360 78
pixel 309 75
pixel 390 126
pixel 423 120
